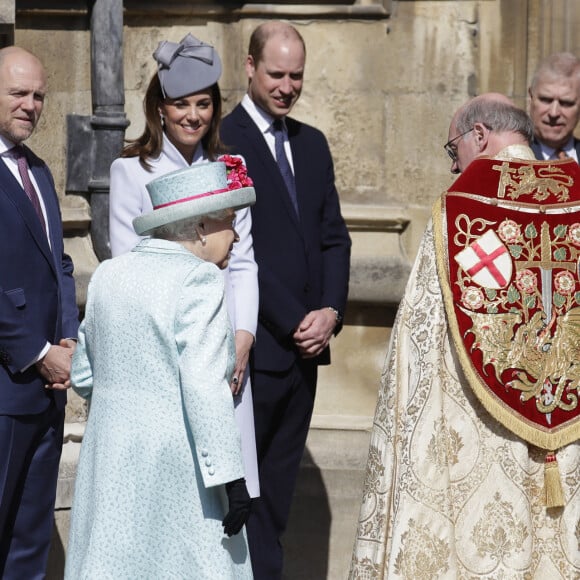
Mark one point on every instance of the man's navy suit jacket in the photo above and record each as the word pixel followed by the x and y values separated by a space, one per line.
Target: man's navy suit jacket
pixel 536 148
pixel 37 293
pixel 303 264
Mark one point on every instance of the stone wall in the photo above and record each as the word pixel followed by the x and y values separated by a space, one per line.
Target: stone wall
pixel 382 81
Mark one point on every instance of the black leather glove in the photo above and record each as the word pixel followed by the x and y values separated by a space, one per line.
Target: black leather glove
pixel 240 501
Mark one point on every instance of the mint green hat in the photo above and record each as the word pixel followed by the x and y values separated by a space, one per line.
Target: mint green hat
pixel 196 191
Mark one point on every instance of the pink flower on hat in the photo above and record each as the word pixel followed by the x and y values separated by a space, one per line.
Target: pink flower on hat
pixel 237 172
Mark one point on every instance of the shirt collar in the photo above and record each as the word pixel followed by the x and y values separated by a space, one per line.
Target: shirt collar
pixel 548 152
pixel 5 145
pixel 262 119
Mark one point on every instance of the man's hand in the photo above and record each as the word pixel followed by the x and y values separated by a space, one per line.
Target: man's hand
pixel 313 333
pixel 56 364
pixel 244 342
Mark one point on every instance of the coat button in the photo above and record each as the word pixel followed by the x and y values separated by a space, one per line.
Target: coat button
pixel 204 453
pixel 211 471
pixel 208 462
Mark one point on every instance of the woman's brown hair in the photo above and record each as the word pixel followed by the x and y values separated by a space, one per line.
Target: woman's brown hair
pixel 149 144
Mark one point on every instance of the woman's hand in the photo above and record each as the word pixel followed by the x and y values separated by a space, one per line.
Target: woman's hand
pixel 244 341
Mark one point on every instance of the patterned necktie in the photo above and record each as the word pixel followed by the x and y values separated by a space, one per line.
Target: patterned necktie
pixel 283 163
pixel 27 184
pixel 560 154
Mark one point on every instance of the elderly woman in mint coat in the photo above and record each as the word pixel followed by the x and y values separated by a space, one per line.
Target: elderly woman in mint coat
pixel 160 490
pixel 182 115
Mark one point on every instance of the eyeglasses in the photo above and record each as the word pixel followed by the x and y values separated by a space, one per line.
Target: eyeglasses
pixel 451 150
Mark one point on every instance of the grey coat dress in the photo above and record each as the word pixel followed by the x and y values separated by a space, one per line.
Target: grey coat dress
pixel 154 353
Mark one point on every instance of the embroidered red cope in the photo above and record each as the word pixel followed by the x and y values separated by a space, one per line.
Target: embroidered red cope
pixel 508 241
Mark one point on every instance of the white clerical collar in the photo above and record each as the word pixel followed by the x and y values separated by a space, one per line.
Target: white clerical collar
pixel 515 152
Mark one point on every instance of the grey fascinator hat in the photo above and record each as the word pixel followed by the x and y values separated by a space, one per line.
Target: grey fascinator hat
pixel 187 67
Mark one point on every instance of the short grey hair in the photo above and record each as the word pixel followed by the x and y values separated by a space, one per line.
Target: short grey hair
pixel 496 116
pixel 558 65
pixel 184 230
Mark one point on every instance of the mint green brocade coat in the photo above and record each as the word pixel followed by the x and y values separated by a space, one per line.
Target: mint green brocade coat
pixel 154 353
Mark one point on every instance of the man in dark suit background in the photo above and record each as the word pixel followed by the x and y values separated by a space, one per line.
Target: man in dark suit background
pixel 302 249
pixel 38 322
pixel 554 102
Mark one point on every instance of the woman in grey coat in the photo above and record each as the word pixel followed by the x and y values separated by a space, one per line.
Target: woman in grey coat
pixel 160 490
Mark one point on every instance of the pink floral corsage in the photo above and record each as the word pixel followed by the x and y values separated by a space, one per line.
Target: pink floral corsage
pixel 237 172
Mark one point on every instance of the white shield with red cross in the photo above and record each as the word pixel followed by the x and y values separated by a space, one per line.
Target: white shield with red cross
pixel 487 261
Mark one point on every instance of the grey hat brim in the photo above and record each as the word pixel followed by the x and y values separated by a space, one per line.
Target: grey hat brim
pixel 235 199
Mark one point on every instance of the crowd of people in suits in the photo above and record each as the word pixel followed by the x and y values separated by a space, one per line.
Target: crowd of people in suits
pixel 223 363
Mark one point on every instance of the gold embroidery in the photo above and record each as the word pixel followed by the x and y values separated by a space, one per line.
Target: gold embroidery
pixel 364 569
pixel 498 533
pixel 548 180
pixel 444 445
pixel 422 554
pixel 534 332
pixel 545 262
pixel 533 350
pixel 372 495
pixel 469 229
pixel 505 179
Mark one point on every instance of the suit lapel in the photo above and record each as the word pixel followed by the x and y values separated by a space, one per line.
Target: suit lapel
pixel 264 155
pixel 10 187
pixel 537 149
pixel 300 160
pixel 50 202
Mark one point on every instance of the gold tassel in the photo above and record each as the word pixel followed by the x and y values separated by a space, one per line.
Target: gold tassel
pixel 552 482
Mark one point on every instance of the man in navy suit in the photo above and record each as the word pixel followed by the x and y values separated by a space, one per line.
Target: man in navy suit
pixel 38 322
pixel 554 100
pixel 302 249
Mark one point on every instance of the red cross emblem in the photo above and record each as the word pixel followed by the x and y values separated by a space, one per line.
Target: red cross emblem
pixel 487 261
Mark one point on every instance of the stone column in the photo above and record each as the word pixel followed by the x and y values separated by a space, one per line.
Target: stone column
pixel 7 17
pixel 108 121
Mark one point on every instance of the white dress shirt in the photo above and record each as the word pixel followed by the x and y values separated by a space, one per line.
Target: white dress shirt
pixel 550 152
pixel 265 123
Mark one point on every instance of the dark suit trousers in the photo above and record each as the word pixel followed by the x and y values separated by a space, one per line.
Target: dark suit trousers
pixel 30 449
pixel 283 404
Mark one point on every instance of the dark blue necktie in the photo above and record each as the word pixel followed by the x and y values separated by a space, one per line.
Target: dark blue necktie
pixel 283 163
